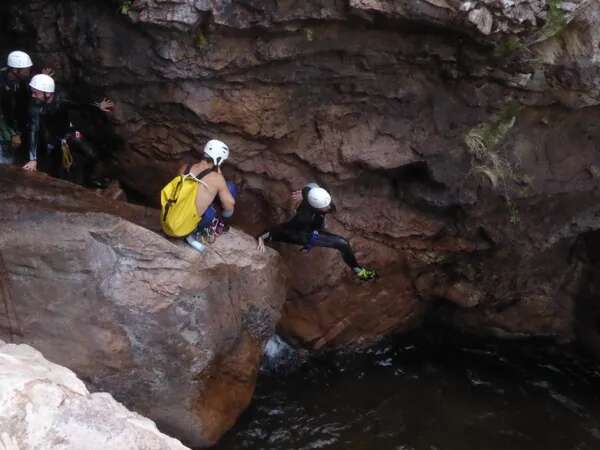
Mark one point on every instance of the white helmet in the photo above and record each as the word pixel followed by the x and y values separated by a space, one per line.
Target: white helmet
pixel 217 151
pixel 18 60
pixel 319 198
pixel 43 83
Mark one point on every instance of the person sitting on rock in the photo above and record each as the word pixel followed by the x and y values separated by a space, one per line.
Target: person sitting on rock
pixel 54 146
pixel 306 229
pixel 14 101
pixel 215 198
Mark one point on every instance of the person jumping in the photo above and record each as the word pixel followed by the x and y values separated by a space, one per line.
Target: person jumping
pixel 306 228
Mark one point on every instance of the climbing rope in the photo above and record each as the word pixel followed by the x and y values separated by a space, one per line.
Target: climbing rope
pixel 67 156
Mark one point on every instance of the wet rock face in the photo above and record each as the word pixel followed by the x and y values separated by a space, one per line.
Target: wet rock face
pixel 44 405
pixel 173 334
pixel 451 134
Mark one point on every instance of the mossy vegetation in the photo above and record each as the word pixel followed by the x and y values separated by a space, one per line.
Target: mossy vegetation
pixel 514 216
pixel 483 139
pixel 200 40
pixel 509 47
pixel 125 6
pixel 483 143
pixel 557 20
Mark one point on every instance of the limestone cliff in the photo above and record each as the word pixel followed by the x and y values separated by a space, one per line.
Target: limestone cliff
pixel 45 406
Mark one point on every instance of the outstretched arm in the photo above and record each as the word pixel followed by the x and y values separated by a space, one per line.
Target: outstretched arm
pixel 300 194
pixel 34 126
pixel 105 105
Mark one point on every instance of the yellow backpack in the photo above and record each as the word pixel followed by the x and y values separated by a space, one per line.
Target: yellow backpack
pixel 179 216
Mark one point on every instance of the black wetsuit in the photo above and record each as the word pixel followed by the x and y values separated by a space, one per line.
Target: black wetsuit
pixel 306 229
pixel 48 125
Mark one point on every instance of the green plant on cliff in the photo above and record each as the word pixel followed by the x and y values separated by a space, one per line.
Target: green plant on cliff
pixel 125 6
pixel 200 40
pixel 485 137
pixel 556 21
pixel 482 142
pixel 309 34
pixel 509 47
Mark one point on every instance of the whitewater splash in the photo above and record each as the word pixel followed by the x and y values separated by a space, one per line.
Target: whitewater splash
pixel 280 357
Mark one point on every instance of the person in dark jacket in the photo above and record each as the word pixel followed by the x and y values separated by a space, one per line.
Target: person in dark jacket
pixel 14 101
pixel 54 145
pixel 306 228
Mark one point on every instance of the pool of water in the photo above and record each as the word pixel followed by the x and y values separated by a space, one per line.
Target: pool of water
pixel 429 391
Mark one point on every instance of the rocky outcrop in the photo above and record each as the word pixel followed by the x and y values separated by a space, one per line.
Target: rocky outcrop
pixel 444 129
pixel 45 406
pixel 173 334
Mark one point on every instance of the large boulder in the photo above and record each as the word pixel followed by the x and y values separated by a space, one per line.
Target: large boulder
pixel 173 334
pixel 45 406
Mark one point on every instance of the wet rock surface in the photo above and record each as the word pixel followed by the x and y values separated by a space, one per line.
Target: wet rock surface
pixel 173 334
pixel 459 140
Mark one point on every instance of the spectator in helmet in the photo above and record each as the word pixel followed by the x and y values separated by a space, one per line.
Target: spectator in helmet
pixel 306 228
pixel 215 198
pixel 54 145
pixel 14 101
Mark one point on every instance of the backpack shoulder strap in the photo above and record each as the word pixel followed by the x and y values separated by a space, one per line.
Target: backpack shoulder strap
pixel 203 174
pixel 199 177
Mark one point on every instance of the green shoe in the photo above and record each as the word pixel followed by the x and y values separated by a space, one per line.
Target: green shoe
pixel 366 274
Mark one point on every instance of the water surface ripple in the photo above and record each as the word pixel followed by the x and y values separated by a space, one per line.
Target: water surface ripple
pixel 429 392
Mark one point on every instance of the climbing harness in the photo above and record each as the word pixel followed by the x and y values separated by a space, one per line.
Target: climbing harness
pixel 311 242
pixel 212 231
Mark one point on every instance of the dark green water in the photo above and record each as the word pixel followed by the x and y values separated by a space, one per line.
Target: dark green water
pixel 428 392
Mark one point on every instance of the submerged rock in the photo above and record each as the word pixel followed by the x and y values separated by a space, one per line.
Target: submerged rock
pixel 173 334
pixel 45 406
